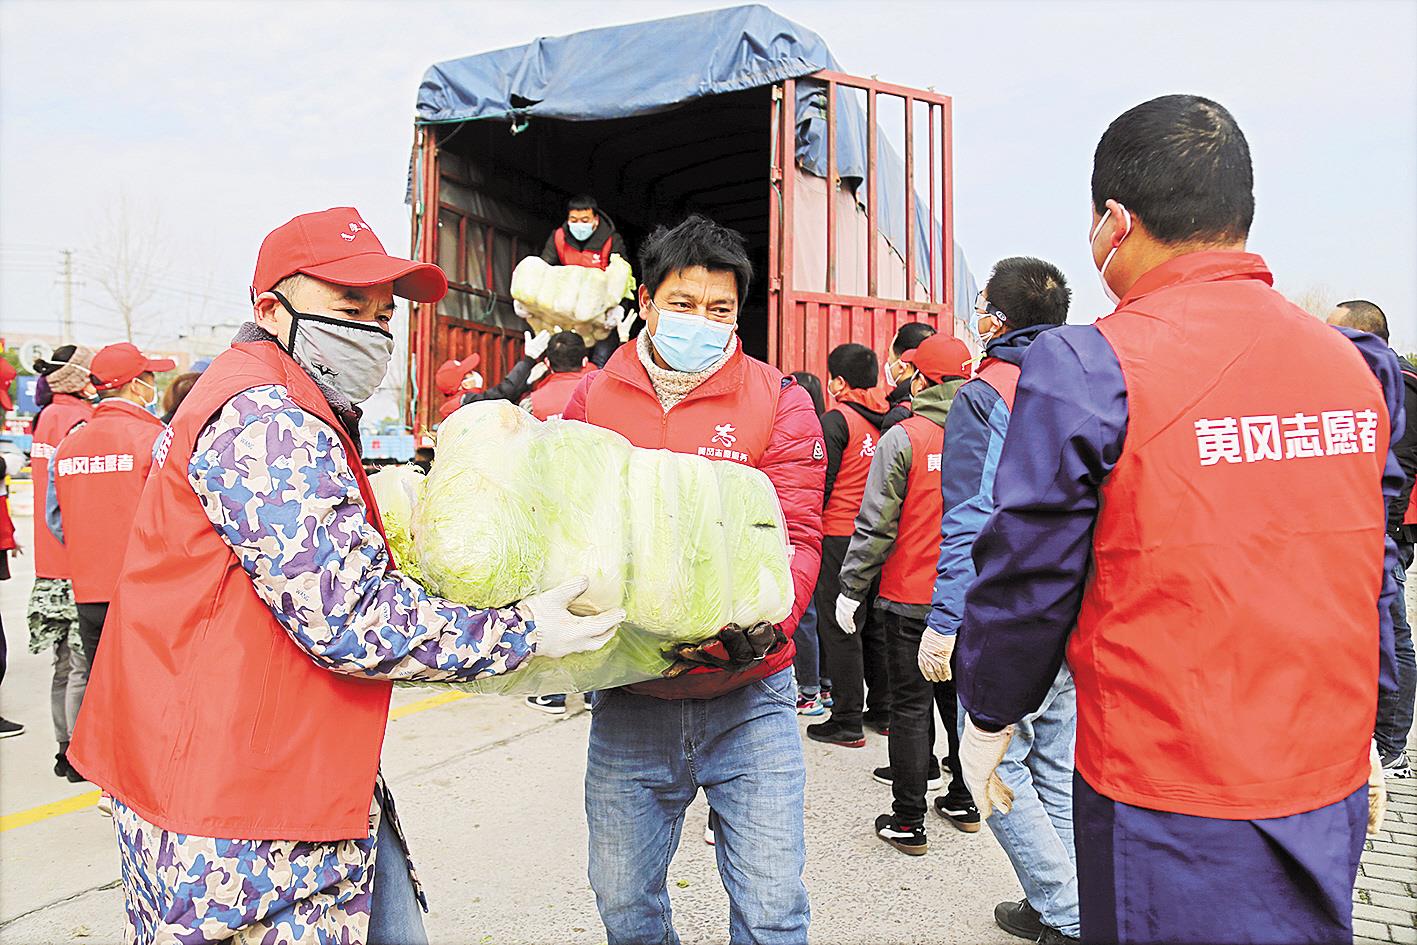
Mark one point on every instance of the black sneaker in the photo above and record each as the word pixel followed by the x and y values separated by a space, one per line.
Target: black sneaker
pixel 9 729
pixel 908 839
pixel 878 722
pixel 835 733
pixel 1051 936
pixel 1019 918
pixel 964 816
pixel 933 783
pixel 1397 766
pixel 61 761
pixel 551 705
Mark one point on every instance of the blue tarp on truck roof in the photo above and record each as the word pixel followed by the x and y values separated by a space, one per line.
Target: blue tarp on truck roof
pixel 642 68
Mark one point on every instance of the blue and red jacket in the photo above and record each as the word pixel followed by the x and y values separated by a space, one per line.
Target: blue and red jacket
pixel 1233 607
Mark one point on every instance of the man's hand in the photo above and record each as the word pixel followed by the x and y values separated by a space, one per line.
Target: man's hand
pixel 534 346
pixel 1377 792
pixel 19 549
pixel 734 649
pixel 846 613
pixel 626 325
pixel 980 753
pixel 558 632
pixel 934 655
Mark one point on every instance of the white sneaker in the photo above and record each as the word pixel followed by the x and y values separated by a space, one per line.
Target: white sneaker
pixel 1398 767
pixel 105 804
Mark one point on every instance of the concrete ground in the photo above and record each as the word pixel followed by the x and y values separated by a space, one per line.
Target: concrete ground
pixel 490 793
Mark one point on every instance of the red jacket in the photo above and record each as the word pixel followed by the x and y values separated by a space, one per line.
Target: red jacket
pixel 100 470
pixel 747 412
pixel 62 415
pixel 551 396
pixel 908 576
pixel 202 714
pixel 7 525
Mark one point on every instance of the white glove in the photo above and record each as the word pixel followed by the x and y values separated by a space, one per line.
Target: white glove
pixel 1377 792
pixel 538 371
pixel 934 655
pixel 626 325
pixel 534 346
pixel 980 753
pixel 558 632
pixel 846 613
pixel 612 315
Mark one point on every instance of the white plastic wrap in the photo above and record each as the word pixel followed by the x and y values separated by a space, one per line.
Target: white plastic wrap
pixel 514 506
pixel 570 298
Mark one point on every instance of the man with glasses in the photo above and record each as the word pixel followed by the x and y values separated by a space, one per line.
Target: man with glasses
pixel 728 722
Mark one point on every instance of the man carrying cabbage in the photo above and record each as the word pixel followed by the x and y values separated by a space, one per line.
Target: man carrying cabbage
pixel 238 710
pixel 728 723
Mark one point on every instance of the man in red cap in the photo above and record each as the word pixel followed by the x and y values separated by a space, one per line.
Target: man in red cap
pixel 897 539
pixel 456 378
pixel 99 471
pixel 239 710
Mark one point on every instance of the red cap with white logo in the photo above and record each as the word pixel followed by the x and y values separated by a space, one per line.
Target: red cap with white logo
pixel 337 246
pixel 118 364
pixel 940 356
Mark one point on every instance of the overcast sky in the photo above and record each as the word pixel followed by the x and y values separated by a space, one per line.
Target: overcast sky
pixel 225 119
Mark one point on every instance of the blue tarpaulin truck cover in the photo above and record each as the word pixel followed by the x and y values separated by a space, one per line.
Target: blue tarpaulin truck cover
pixel 642 68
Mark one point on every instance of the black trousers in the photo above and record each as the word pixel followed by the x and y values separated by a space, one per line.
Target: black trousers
pixel 852 661
pixel 91 618
pixel 913 702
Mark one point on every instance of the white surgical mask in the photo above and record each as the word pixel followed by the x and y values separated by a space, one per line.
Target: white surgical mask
pixel 351 357
pixel 1102 273
pixel 581 231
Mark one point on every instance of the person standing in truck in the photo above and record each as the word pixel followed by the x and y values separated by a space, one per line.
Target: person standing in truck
pixel 1190 505
pixel 728 725
pixel 239 709
pixel 589 238
pixel 53 618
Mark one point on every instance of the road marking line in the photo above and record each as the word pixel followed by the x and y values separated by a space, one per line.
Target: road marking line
pixel 87 800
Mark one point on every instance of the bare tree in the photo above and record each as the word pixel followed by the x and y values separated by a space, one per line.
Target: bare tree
pixel 1317 300
pixel 128 260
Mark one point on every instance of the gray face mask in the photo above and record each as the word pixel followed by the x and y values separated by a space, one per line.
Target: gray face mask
pixel 351 357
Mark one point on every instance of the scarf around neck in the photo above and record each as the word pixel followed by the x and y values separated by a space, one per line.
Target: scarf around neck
pixel 671 386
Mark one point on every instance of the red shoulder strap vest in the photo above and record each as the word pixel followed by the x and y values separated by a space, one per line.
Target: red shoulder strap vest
pixel 63 414
pixel 839 517
pixel 202 714
pixel 908 576
pixel 570 256
pixel 1226 652
pixel 1002 376
pixel 550 397
pixel 1410 517
pixel 99 473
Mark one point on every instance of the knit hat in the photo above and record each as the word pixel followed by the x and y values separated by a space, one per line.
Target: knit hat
pixel 67 370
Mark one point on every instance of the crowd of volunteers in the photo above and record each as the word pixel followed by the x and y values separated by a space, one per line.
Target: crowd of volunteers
pixel 1130 593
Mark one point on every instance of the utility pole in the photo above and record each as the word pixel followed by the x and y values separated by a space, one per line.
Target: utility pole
pixel 68 277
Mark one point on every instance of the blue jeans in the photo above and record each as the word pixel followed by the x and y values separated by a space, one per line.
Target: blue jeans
pixel 394 915
pixel 1037 834
pixel 648 758
pixel 1395 708
pixel 807 663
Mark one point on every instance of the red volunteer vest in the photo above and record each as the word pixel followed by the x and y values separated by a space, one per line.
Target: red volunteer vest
pixel 99 472
pixel 839 517
pixel 549 399
pixel 908 576
pixel 728 417
pixel 1002 376
pixel 1226 652
pixel 63 414
pixel 570 256
pixel 202 714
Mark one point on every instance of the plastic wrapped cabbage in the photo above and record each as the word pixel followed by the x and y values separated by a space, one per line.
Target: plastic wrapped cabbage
pixel 514 506
pixel 570 298
pixel 396 490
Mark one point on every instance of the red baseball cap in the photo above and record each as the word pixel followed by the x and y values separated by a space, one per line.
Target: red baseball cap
pixel 118 364
pixel 940 356
pixel 337 246
pixel 450 374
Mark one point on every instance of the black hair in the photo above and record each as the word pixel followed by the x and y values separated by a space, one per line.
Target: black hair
pixel 1180 163
pixel 582 202
pixel 423 453
pixel 1029 292
pixel 1364 316
pixel 812 384
pixel 566 351
pixel 855 364
pixel 57 359
pixel 698 241
pixel 909 336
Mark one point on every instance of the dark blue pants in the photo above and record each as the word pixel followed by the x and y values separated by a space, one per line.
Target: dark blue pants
pixel 806 663
pixel 1149 876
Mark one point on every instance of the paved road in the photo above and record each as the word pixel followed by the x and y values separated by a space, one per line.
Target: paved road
pixel 491 794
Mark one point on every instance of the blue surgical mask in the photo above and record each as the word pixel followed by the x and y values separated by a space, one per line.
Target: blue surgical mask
pixel 581 231
pixel 689 343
